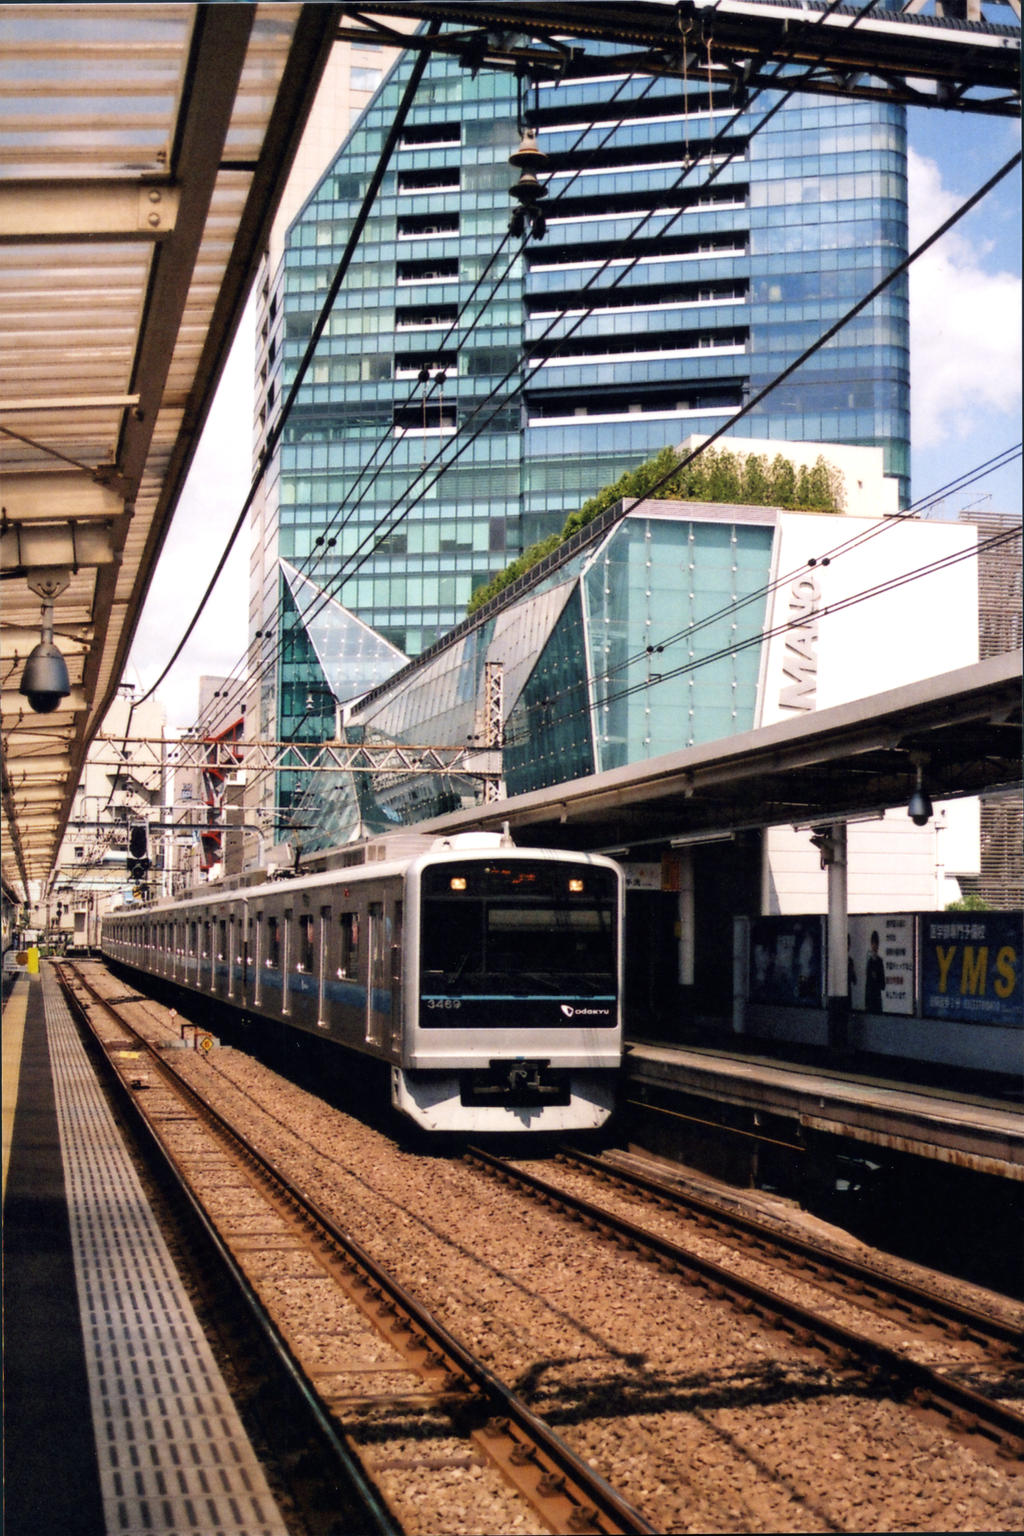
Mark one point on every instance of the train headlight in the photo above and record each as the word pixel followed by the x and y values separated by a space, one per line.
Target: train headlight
pixel 458 883
pixel 576 887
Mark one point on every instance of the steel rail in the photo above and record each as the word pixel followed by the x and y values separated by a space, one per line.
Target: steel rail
pixel 968 1322
pixel 966 1410
pixel 347 1469
pixel 544 1469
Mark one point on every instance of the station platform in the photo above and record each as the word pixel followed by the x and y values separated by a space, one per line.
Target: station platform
pixel 787 1094
pixel 116 1416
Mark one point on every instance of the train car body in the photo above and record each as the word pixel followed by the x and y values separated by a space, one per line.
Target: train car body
pixel 487 978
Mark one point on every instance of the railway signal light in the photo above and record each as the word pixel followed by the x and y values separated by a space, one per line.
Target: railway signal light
pixel 138 851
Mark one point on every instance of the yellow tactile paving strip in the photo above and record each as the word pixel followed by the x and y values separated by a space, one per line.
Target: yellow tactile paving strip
pixel 13 1035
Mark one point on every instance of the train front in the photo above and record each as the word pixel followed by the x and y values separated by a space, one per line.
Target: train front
pixel 513 1002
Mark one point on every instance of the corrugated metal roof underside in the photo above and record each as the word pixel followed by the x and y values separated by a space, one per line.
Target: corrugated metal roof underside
pixel 143 149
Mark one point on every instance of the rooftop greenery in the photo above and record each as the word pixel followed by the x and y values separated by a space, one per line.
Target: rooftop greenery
pixel 715 475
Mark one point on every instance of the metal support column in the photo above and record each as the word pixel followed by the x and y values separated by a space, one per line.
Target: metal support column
pixel 686 928
pixel 834 854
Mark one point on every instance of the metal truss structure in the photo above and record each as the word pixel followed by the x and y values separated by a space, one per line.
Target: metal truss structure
pixel 149 753
pixel 930 53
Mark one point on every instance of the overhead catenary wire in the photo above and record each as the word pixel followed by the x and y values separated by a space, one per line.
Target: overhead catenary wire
pixel 310 562
pixel 387 523
pixel 827 336
pixel 367 556
pixel 933 567
pixel 853 541
pixel 840 605
pixel 277 428
pixel 345 575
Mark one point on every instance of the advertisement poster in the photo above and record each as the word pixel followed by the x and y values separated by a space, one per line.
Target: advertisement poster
pixel 881 968
pixel 786 961
pixel 971 967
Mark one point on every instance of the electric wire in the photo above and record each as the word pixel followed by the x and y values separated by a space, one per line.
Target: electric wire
pixel 277 428
pixel 388 528
pixel 384 528
pixel 815 346
pixel 348 574
pixel 840 605
pixel 854 541
pixel 603 703
pixel 310 562
pixel 783 627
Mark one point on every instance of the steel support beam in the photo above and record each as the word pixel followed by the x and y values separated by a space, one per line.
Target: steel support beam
pixel 90 210
pixel 930 61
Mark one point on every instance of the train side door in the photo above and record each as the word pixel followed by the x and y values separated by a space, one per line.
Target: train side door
pixel 323 957
pixel 378 976
pixel 395 963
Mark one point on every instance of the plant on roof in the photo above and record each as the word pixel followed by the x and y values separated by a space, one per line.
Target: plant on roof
pixel 716 475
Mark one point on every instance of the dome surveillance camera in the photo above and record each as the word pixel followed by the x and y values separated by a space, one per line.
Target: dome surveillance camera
pixel 45 679
pixel 920 808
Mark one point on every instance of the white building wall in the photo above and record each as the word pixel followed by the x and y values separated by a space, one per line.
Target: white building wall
pixel 852 640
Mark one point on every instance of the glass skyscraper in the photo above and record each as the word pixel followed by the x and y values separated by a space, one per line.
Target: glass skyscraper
pixel 473 388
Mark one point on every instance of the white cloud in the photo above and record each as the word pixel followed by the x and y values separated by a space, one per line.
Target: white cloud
pixel 965 323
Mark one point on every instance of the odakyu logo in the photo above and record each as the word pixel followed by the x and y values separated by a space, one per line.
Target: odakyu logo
pixel 571 1012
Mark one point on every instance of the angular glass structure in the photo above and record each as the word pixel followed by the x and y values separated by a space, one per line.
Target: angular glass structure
pixel 474 387
pixel 647 639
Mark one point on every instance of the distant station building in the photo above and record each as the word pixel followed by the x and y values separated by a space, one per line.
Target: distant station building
pixel 475 386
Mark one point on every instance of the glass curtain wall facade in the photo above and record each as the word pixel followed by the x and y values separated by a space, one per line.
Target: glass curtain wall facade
pixel 473 389
pixel 584 687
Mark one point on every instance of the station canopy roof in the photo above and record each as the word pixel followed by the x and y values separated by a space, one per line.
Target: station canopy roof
pixel 143 152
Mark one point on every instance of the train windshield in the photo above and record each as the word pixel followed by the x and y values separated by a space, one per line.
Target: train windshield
pixel 519 928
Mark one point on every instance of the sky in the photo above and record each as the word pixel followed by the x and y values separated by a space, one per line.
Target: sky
pixel 965 306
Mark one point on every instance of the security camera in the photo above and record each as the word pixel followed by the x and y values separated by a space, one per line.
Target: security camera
pixel 919 807
pixel 45 679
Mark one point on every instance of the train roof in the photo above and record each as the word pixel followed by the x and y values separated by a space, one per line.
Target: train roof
pixel 387 857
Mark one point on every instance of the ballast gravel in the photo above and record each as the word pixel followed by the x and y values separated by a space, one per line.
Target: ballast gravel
pixel 696 1414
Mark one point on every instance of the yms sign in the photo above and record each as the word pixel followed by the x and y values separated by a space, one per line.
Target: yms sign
pixel 971 967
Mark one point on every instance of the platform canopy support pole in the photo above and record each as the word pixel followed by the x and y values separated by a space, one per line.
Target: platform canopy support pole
pixel 834 855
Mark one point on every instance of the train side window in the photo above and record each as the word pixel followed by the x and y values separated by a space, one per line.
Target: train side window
pixel 348 959
pixel 222 949
pixel 193 938
pixel 273 943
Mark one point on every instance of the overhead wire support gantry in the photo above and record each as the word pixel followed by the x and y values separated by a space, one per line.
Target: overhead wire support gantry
pixel 199 753
pixel 905 56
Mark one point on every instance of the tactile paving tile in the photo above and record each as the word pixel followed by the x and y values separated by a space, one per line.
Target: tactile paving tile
pixel 173 1455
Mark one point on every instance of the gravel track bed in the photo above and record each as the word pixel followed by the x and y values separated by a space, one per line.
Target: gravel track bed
pixel 436 1482
pixel 963 1359
pixel 699 1417
pixel 788 1218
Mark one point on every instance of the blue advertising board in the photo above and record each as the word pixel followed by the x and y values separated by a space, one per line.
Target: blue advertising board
pixel 970 967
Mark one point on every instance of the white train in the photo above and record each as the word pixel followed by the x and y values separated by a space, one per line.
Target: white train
pixel 486 979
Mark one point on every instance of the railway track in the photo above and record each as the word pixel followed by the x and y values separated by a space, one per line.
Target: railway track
pixel 839 1273
pixel 415 1385
pixel 964 1410
pixel 695 1411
